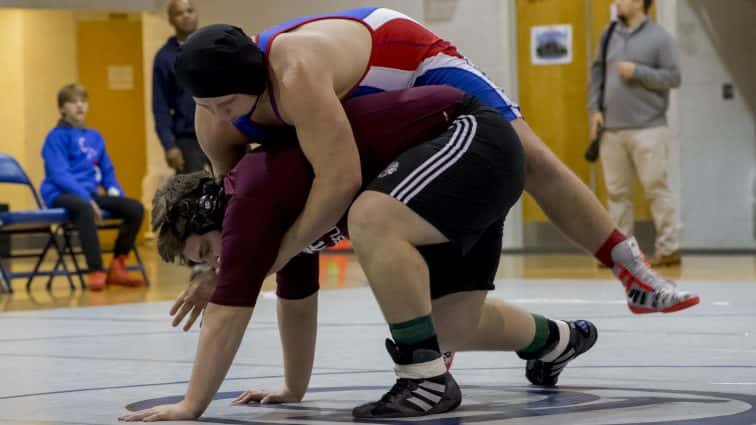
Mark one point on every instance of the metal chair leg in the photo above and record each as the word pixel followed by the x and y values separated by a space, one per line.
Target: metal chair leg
pixel 48 285
pixel 61 262
pixel 6 282
pixel 69 248
pixel 62 257
pixel 39 262
pixel 141 265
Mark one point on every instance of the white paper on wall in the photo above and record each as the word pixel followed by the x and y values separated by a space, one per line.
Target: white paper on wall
pixel 120 77
pixel 551 44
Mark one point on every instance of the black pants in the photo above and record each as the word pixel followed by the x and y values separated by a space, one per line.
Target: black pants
pixel 194 158
pixel 82 215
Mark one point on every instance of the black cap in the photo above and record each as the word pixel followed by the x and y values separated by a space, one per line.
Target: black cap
pixel 218 60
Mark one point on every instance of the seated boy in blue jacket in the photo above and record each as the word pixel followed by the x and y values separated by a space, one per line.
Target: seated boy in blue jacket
pixel 77 166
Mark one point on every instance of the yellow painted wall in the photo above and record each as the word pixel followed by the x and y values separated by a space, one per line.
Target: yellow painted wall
pixel 49 64
pixel 38 56
pixel 12 106
pixel 104 41
pixel 554 97
pixel 117 114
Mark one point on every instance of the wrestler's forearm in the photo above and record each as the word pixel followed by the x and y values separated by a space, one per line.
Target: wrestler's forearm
pixel 222 331
pixel 297 323
pixel 327 202
pixel 327 141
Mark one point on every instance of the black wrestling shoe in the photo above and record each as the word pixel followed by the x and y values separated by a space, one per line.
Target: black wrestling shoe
pixel 583 335
pixel 412 396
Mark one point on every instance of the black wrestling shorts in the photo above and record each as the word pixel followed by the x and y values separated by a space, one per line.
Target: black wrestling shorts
pixel 463 182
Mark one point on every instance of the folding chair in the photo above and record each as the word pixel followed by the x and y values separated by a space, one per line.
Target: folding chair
pixel 26 222
pixel 109 223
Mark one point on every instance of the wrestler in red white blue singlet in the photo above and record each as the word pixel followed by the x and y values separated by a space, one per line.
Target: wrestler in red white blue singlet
pixel 405 54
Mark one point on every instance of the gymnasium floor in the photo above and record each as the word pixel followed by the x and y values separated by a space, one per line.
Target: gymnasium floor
pixel 85 358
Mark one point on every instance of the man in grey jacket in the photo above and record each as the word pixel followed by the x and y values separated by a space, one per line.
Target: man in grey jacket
pixel 641 67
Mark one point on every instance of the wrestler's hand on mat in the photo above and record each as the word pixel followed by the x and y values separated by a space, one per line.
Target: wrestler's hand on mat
pixel 194 298
pixel 166 412
pixel 268 397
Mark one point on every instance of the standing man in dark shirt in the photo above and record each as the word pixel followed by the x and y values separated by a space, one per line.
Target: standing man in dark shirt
pixel 172 106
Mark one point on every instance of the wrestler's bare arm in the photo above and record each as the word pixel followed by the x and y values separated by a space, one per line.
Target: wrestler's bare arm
pixel 220 336
pixel 223 144
pixel 305 88
pixel 297 324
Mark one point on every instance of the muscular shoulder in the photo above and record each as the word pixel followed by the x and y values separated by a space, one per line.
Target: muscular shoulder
pixel 340 55
pixel 289 51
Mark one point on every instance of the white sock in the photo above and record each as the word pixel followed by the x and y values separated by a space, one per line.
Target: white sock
pixel 429 369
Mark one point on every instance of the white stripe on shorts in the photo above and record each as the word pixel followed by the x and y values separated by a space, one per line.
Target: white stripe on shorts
pixel 422 176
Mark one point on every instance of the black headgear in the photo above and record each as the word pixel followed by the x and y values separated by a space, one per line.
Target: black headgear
pixel 206 212
pixel 219 60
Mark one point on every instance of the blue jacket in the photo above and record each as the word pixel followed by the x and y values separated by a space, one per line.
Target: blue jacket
pixel 172 106
pixel 76 162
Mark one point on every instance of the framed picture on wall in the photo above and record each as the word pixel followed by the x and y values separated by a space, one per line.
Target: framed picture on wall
pixel 551 44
